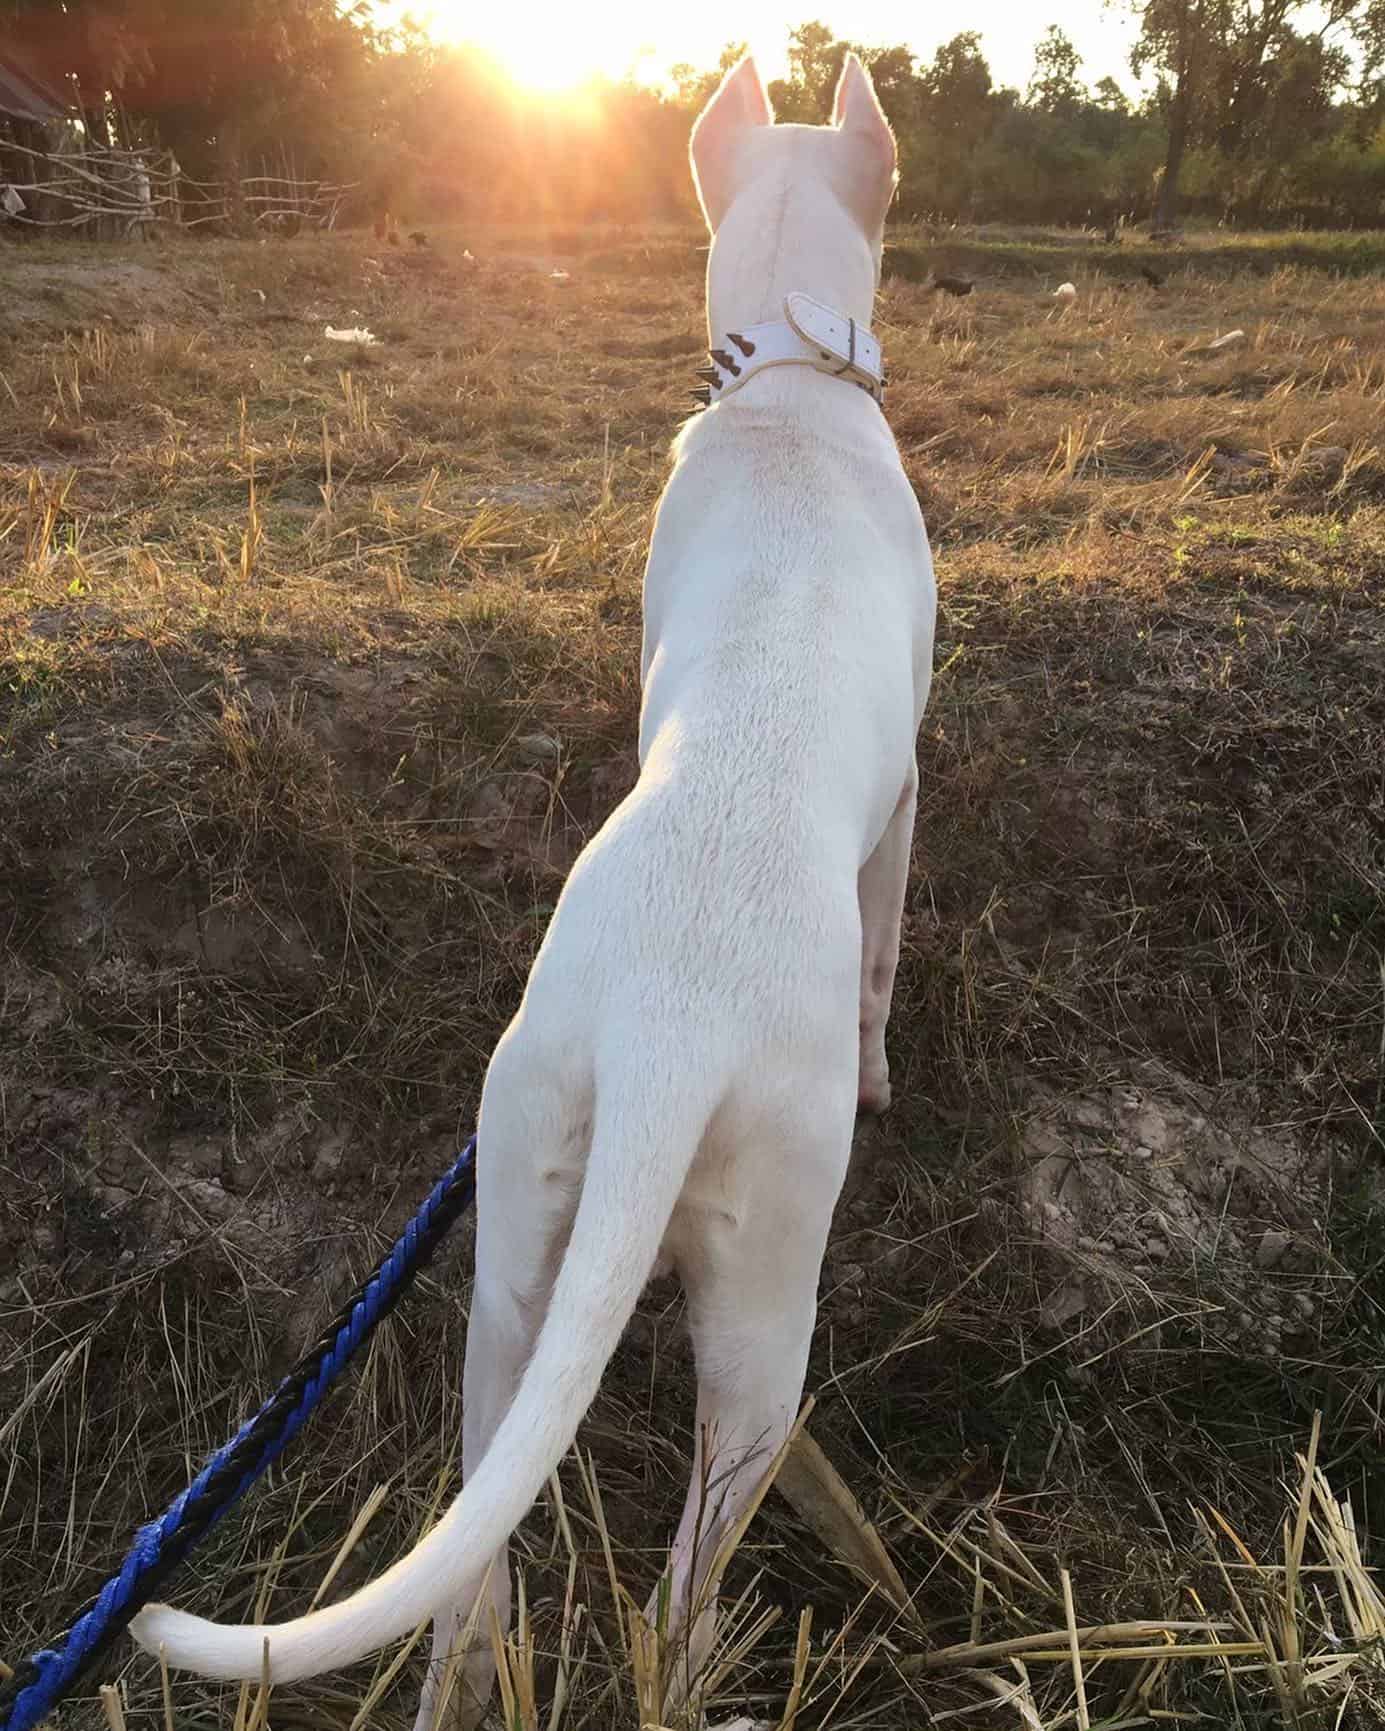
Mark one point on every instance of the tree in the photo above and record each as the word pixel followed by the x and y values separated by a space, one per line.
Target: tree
pixel 1224 60
pixel 896 82
pixel 957 86
pixel 77 48
pixel 693 87
pixel 1370 40
pixel 1054 85
pixel 815 64
pixel 211 81
pixel 955 111
pixel 1170 34
pixel 1258 109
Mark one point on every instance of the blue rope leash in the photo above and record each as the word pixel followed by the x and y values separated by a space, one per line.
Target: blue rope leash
pixel 41 1681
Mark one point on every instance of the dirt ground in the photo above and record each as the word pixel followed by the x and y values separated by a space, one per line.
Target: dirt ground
pixel 319 663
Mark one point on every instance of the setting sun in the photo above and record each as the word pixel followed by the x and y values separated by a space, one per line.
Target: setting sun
pixel 550 47
pixel 553 47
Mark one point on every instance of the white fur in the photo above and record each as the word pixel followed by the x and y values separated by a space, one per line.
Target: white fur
pixel 710 1000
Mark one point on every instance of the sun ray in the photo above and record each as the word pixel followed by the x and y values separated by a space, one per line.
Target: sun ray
pixel 547 46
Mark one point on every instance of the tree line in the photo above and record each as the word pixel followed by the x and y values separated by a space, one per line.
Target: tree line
pixel 1252 112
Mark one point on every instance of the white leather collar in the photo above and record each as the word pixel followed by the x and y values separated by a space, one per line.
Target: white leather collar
pixel 811 335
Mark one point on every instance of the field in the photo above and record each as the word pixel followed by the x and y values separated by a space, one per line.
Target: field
pixel 319 662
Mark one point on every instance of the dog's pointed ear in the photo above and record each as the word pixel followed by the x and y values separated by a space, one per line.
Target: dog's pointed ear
pixel 740 104
pixel 857 114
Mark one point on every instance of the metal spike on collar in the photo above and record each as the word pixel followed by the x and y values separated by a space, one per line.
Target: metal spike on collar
pixel 728 362
pixel 710 374
pixel 746 347
pixel 702 396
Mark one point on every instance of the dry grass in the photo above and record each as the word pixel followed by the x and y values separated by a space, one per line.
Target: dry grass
pixel 317 666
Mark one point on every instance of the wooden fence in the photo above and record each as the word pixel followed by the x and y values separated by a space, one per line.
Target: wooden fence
pixel 79 186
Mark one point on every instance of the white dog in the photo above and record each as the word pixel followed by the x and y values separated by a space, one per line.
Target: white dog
pixel 686 1066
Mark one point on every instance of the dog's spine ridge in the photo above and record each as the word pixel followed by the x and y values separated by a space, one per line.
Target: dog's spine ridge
pixel 646 1133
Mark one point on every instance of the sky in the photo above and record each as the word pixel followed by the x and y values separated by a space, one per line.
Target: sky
pixel 553 43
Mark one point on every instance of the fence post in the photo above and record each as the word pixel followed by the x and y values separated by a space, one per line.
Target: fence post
pixel 228 151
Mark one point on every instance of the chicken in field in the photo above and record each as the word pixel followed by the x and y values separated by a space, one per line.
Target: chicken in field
pixel 1065 294
pixel 419 239
pixel 954 285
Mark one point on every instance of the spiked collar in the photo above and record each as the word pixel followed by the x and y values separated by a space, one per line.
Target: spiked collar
pixel 810 335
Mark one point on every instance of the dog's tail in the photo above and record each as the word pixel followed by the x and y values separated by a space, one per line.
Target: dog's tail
pixel 646 1134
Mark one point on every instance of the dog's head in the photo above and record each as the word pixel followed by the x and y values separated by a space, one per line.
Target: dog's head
pixel 792 207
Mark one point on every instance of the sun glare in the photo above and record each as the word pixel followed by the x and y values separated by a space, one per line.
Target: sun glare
pixel 554 47
pixel 550 47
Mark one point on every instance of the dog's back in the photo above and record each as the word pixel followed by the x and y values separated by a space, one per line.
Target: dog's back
pixel 789 602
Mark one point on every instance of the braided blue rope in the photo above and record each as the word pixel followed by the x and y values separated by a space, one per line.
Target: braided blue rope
pixel 41 1681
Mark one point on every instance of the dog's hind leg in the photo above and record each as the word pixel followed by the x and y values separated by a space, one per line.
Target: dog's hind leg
pixel 881 887
pixel 532 1142
pixel 752 1283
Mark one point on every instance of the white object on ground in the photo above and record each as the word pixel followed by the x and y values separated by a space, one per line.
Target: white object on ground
pixel 538 748
pixel 1065 292
pixel 356 334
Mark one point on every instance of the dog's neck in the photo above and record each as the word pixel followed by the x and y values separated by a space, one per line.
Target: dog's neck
pixel 809 335
pixel 777 240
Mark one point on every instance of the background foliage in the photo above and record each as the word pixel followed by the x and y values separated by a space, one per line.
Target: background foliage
pixel 1254 112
